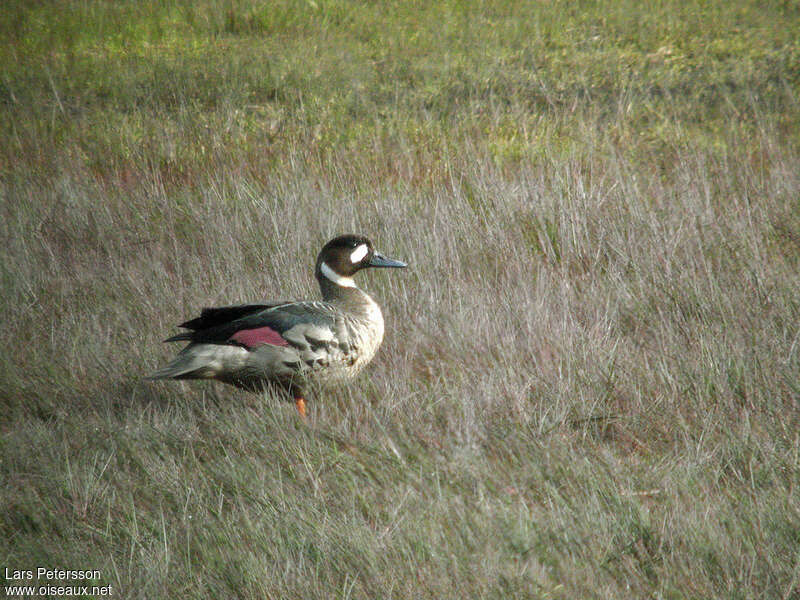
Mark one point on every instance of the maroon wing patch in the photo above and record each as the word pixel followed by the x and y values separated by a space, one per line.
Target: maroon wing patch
pixel 250 338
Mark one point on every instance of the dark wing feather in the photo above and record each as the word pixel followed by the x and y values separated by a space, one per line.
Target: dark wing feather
pixel 212 317
pixel 279 317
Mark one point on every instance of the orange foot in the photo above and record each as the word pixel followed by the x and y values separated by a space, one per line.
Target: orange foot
pixel 301 406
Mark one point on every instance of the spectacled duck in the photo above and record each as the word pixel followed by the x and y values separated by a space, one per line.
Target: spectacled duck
pixel 290 344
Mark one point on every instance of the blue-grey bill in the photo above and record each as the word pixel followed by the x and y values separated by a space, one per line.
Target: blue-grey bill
pixel 379 260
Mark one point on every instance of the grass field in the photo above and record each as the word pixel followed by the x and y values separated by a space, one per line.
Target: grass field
pixel 590 381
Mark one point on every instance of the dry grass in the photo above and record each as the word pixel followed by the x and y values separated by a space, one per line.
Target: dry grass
pixel 589 382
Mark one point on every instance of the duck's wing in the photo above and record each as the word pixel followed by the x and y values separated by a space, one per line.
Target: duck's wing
pixel 212 317
pixel 303 325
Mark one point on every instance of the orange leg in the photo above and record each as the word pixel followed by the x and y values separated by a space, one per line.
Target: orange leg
pixel 301 406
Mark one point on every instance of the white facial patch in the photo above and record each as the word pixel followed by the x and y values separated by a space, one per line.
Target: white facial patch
pixel 359 253
pixel 335 277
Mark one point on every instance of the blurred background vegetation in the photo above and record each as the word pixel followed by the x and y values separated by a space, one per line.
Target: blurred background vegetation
pixel 182 86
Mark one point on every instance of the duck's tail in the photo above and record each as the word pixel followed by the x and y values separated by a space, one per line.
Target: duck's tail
pixel 199 361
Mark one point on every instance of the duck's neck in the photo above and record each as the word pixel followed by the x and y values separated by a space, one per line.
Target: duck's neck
pixel 341 290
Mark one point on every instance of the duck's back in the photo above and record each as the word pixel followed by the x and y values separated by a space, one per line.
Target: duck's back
pixel 249 345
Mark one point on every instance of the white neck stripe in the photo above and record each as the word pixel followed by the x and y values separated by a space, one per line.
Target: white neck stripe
pixel 335 277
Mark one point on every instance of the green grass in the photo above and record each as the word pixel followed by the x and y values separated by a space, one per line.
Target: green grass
pixel 590 378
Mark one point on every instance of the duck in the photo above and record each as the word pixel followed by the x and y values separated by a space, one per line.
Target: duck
pixel 290 344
